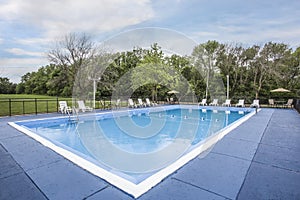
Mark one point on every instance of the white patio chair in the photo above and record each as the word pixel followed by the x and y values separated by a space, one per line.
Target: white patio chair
pixel 289 103
pixel 83 107
pixel 203 102
pixel 167 100
pixel 214 102
pixel 131 104
pixel 241 103
pixel 149 103
pixel 117 104
pixel 64 108
pixel 172 101
pixel 141 103
pixel 227 103
pixel 255 103
pixel 271 102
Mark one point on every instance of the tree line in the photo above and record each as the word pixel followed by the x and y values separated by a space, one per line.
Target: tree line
pixel 253 71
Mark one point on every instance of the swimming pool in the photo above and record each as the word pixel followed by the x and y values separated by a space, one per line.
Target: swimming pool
pixel 135 149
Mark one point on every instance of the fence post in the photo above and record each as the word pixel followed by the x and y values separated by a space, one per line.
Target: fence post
pixel 9 106
pixel 23 107
pixel 35 102
pixel 47 105
pixel 56 104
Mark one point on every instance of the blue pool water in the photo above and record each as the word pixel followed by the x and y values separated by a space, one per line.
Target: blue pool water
pixel 150 139
pixel 137 143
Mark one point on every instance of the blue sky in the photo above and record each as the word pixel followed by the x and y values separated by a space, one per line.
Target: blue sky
pixel 29 28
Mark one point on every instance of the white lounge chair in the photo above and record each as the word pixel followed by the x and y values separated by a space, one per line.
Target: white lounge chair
pixel 167 100
pixel 271 102
pixel 241 103
pixel 227 102
pixel 203 102
pixel 255 103
pixel 83 107
pixel 131 104
pixel 289 103
pixel 141 103
pixel 214 102
pixel 172 101
pixel 117 104
pixel 148 102
pixel 64 108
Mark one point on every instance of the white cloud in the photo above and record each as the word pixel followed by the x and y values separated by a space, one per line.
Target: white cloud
pixel 60 17
pixel 33 41
pixel 17 51
pixel 15 68
pixel 206 34
pixel 169 40
pixel 22 62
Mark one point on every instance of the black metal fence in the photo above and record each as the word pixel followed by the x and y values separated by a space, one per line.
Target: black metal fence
pixel 18 106
pixel 22 106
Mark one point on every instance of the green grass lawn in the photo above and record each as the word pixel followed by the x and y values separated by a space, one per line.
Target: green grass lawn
pixel 27 104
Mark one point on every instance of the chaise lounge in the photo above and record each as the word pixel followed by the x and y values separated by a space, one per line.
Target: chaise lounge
pixel 83 107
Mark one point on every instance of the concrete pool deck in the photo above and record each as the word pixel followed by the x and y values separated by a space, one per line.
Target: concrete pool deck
pixel 258 160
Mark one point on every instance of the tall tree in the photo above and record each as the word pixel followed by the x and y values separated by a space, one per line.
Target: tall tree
pixel 205 61
pixel 70 53
pixel 271 58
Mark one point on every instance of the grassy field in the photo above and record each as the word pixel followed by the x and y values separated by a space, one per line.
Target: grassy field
pixel 19 104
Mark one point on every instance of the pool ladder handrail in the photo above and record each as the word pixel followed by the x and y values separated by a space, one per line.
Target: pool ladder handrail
pixel 75 112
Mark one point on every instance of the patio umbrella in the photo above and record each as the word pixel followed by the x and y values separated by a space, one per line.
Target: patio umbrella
pixel 280 90
pixel 173 92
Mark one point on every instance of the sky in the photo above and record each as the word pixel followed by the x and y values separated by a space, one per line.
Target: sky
pixel 28 29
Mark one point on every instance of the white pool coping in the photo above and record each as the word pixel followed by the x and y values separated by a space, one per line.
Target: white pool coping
pixel 135 190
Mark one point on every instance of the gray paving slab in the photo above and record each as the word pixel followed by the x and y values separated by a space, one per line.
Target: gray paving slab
pixel 2 149
pixel 8 166
pixel 253 129
pixel 267 182
pixel 282 157
pixel 29 153
pixel 173 189
pixel 217 173
pixel 286 117
pixel 19 187
pixel 64 180
pixel 282 137
pixel 236 147
pixel 110 193
pixel 8 131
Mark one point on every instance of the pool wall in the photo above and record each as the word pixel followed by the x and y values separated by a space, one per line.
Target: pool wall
pixel 137 190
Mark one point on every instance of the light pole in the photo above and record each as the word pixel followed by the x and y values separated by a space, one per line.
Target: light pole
pixel 227 86
pixel 206 91
pixel 95 80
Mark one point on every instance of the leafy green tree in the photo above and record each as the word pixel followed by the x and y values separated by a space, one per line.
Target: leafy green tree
pixel 205 57
pixel 7 87
pixel 234 60
pixel 271 59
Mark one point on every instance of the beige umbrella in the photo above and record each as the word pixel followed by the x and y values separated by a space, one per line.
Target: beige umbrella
pixel 280 90
pixel 173 92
